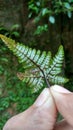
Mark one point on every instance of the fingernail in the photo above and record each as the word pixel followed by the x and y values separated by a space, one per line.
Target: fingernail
pixel 42 98
pixel 60 89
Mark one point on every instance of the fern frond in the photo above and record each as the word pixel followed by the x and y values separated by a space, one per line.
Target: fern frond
pixel 38 66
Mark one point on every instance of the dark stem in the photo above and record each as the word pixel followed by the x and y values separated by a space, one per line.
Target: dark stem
pixel 48 85
pixel 47 82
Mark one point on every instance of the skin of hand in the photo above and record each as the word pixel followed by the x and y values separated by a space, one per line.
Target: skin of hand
pixel 42 114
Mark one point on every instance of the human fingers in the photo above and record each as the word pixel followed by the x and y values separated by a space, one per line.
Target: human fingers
pixel 64 102
pixel 40 116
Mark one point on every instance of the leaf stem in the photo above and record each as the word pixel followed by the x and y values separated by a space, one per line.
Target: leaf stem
pixel 48 85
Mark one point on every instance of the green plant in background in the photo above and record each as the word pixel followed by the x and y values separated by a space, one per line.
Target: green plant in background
pixel 14 31
pixel 40 29
pixel 39 67
pixel 49 10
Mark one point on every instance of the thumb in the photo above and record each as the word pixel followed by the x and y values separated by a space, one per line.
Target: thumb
pixel 40 116
pixel 64 102
pixel 46 110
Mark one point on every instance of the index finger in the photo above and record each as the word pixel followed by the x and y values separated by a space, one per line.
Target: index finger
pixel 64 102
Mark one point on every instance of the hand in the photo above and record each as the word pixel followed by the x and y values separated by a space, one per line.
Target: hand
pixel 42 114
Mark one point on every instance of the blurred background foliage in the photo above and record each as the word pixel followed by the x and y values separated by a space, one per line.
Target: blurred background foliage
pixel 40 24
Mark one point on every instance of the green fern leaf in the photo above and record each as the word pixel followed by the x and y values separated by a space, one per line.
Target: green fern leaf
pixel 38 66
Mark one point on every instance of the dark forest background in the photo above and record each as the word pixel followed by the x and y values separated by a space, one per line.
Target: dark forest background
pixel 40 24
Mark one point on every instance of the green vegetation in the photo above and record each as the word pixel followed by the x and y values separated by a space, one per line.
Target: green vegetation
pixel 48 10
